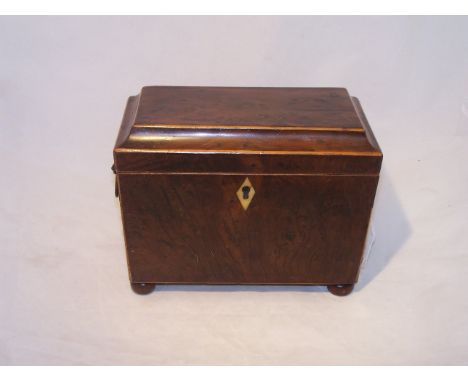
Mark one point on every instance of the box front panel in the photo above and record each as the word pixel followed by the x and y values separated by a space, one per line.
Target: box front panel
pixel 209 228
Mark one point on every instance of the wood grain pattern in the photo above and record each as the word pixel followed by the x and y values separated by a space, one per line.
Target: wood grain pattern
pixel 183 152
pixel 192 229
pixel 247 107
pixel 208 149
pixel 248 141
pixel 227 163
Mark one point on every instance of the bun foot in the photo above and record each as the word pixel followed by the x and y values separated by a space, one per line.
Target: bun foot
pixel 143 288
pixel 340 289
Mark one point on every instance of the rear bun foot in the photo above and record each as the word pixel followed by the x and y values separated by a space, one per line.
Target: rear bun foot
pixel 340 289
pixel 143 288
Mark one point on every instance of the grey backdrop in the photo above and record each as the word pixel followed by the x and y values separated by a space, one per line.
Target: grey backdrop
pixel 64 293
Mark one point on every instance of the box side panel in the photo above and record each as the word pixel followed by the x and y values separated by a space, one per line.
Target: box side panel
pixel 296 230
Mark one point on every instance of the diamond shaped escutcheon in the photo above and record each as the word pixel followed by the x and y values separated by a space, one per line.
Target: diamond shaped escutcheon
pixel 245 193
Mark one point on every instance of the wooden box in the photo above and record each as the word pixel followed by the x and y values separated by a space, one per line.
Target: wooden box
pixel 245 186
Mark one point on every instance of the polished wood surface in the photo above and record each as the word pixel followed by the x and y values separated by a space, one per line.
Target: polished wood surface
pixel 310 108
pixel 148 162
pixel 297 229
pixel 183 152
pixel 234 150
pixel 203 140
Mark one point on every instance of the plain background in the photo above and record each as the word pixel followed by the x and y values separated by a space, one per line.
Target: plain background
pixel 64 292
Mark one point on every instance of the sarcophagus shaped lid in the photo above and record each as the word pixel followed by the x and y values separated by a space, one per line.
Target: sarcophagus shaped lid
pixel 246 130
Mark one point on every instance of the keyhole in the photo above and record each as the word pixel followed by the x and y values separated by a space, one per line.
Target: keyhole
pixel 245 192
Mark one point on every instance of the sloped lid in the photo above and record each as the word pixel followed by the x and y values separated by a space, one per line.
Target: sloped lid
pixel 253 121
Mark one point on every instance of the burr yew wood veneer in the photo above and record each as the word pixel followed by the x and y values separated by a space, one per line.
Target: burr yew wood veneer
pixel 223 185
